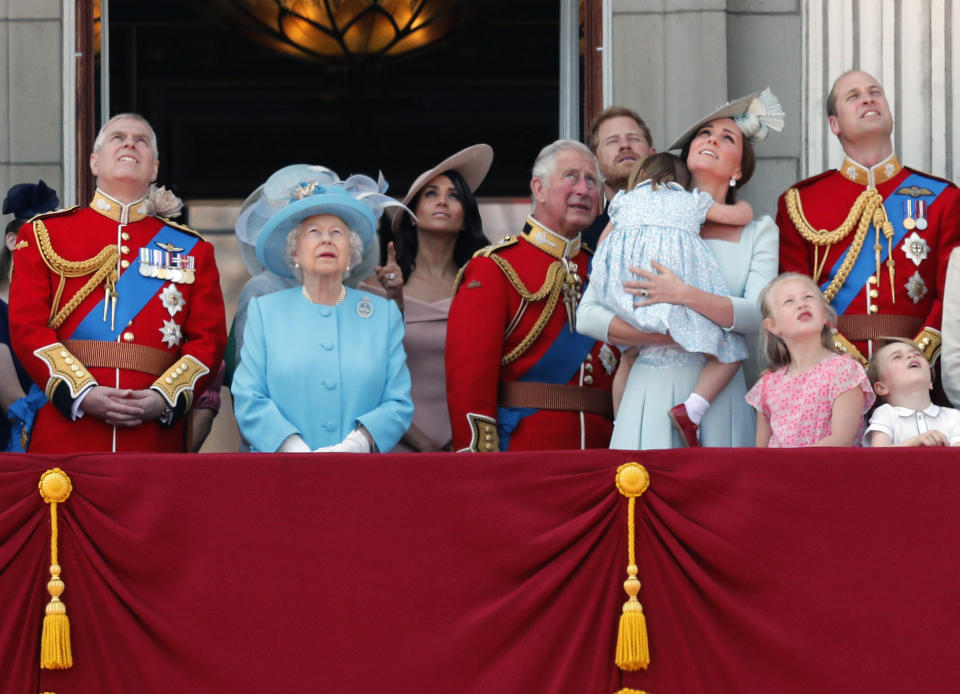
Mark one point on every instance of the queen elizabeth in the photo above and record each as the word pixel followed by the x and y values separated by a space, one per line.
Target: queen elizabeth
pixel 322 367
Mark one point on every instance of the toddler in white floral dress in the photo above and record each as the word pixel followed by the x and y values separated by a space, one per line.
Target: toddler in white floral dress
pixel 658 220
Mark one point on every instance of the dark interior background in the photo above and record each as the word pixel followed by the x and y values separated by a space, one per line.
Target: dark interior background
pixel 229 111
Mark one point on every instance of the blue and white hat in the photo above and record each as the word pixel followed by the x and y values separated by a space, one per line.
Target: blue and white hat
pixel 299 191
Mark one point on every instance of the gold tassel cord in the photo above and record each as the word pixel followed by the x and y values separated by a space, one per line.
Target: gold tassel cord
pixel 633 649
pixel 868 208
pixel 631 691
pixel 55 653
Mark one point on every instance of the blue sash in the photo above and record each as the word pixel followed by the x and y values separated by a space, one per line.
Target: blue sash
pixel 558 365
pixel 866 261
pixel 133 290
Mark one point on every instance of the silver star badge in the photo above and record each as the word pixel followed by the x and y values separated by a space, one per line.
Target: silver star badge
pixel 888 169
pixel 915 248
pixel 852 172
pixel 916 287
pixel 172 299
pixel 608 359
pixel 171 333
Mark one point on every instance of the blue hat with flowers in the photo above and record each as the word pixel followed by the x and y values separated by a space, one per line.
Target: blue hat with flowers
pixel 299 191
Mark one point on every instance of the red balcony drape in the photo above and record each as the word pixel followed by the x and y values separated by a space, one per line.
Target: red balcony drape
pixel 808 570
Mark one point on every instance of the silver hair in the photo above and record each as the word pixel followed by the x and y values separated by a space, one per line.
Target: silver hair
pixel 546 163
pixel 98 143
pixel 293 238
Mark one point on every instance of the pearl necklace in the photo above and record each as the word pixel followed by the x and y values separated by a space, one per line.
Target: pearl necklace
pixel 343 295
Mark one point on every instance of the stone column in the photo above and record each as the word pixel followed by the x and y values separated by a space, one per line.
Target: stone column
pixel 31 136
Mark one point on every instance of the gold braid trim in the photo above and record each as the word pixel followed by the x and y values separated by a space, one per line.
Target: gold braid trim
pixel 550 289
pixel 103 266
pixel 867 208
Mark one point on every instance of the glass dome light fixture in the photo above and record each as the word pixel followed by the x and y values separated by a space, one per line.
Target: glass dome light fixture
pixel 346 29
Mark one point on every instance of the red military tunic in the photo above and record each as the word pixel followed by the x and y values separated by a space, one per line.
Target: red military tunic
pixel 173 344
pixel 912 307
pixel 490 322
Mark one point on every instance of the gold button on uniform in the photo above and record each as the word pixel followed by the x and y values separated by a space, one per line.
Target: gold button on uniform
pixel 125 236
pixel 589 368
pixel 872 280
pixel 874 293
pixel 124 249
pixel 589 357
pixel 874 308
pixel 124 264
pixel 588 379
pixel 128 336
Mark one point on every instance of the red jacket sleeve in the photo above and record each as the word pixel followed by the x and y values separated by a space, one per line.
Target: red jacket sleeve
pixel 475 334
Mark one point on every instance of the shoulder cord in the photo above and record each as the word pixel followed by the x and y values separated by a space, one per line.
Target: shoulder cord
pixel 103 266
pixel 550 289
pixel 867 208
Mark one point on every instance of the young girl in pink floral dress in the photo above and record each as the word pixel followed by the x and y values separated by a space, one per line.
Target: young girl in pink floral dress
pixel 811 396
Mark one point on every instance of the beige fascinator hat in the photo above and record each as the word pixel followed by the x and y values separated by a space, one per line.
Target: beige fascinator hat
pixel 472 163
pixel 755 114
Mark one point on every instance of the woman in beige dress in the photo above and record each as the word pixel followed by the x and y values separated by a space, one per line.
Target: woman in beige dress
pixel 420 267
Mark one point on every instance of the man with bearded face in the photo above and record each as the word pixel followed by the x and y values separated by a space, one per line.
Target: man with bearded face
pixel 620 140
pixel 875 235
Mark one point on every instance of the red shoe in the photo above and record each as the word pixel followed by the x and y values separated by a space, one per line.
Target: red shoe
pixel 681 420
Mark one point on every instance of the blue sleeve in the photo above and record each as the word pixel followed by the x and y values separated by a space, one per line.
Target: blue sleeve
pixel 260 421
pixel 764 261
pixel 389 421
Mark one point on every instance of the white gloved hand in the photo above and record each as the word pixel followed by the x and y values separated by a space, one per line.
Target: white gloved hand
pixel 355 442
pixel 293 444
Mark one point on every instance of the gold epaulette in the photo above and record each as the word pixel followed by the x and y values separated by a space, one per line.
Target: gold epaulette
pixel 182 227
pixel 54 213
pixel 485 252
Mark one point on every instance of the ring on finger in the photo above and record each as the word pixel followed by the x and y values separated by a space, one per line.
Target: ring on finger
pixel 643 292
pixel 392 276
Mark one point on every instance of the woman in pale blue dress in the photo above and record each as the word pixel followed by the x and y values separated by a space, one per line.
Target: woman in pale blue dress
pixel 719 155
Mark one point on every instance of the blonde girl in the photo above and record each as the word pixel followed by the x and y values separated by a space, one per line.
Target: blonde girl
pixel 811 395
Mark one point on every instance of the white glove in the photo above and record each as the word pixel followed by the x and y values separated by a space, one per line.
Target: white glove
pixel 355 442
pixel 293 444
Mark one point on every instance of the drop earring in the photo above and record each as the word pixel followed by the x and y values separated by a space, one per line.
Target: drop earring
pixel 733 182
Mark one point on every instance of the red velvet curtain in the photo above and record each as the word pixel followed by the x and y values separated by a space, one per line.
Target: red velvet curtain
pixel 808 570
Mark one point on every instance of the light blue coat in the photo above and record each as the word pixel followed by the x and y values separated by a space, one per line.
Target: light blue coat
pixel 318 371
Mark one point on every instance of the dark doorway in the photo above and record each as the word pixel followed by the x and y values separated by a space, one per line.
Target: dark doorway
pixel 229 111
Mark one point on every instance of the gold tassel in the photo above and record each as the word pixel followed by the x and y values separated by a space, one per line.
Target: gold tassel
pixel 633 649
pixel 55 653
pixel 627 690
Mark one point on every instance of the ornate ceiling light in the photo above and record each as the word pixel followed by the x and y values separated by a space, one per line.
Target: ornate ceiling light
pixel 346 29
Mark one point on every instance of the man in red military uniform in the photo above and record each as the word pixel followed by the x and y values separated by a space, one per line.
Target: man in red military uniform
pixel 518 376
pixel 874 234
pixel 116 313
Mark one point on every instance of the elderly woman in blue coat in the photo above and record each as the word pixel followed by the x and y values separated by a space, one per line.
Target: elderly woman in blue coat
pixel 322 366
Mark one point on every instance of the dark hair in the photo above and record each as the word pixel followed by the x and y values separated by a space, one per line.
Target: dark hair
pixel 873 367
pixel 748 162
pixel 469 240
pixel 593 136
pixel 6 257
pixel 660 168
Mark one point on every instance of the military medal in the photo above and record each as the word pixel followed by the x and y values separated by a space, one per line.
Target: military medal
pixel 167 264
pixel 172 299
pixel 365 308
pixel 921 214
pixel 915 248
pixel 916 287
pixel 908 222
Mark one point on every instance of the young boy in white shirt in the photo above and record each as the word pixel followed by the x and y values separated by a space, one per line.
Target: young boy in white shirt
pixel 901 376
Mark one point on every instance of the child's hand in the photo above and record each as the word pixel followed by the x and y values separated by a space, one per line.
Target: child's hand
pixel 928 438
